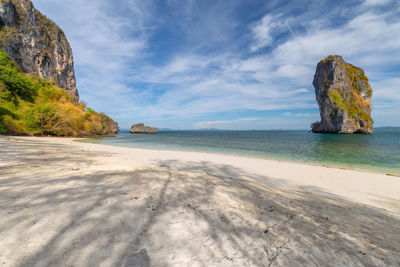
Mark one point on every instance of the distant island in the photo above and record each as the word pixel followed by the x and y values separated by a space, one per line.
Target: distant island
pixel 344 98
pixel 38 94
pixel 142 129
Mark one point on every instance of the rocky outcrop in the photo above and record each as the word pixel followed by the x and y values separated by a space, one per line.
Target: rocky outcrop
pixel 37 44
pixel 141 128
pixel 113 126
pixel 110 127
pixel 344 98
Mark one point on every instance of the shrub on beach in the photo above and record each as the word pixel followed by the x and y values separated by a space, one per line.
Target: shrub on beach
pixel 30 105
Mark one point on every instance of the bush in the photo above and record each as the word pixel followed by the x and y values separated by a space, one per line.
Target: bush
pixel 3 129
pixel 18 84
pixel 33 106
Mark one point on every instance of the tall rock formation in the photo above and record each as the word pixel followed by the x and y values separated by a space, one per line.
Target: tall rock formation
pixel 37 44
pixel 344 98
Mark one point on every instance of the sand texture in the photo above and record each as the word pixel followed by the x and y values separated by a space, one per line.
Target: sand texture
pixel 66 203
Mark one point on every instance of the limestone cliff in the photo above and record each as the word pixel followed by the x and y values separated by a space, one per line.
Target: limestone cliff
pixel 344 98
pixel 37 44
pixel 30 105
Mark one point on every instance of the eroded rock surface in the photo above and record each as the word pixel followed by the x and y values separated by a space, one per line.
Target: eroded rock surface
pixel 344 98
pixel 141 128
pixel 37 44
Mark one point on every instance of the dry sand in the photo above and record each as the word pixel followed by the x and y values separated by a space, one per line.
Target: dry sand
pixel 64 203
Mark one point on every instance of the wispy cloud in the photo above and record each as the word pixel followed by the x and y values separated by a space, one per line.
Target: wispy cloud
pixel 377 2
pixel 217 124
pixel 264 29
pixel 291 114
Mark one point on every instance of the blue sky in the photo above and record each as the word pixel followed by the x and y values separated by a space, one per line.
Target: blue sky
pixel 225 64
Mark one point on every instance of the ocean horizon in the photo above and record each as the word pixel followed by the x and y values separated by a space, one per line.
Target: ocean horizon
pixel 377 152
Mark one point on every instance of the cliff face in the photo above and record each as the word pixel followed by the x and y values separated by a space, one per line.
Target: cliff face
pixel 37 44
pixel 35 62
pixel 344 98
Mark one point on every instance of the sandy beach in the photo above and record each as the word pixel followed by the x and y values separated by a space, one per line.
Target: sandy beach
pixel 68 203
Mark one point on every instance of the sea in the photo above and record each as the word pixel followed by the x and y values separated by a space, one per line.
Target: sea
pixel 377 152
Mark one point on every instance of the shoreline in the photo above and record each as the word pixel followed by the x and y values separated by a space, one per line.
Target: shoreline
pixel 361 164
pixel 277 159
pixel 310 163
pixel 66 203
pixel 308 174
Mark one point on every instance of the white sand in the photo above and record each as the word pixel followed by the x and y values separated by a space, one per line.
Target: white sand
pixel 68 203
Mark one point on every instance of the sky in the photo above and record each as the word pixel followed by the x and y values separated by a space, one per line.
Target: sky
pixel 240 64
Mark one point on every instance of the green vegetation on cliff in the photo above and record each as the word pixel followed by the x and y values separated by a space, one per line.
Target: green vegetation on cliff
pixel 30 105
pixel 353 104
pixel 7 34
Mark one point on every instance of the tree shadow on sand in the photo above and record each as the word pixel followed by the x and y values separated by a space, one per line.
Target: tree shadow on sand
pixel 183 213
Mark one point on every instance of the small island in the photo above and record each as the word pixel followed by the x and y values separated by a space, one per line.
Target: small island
pixel 140 128
pixel 344 98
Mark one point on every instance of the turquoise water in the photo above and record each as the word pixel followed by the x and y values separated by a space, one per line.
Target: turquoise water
pixel 379 151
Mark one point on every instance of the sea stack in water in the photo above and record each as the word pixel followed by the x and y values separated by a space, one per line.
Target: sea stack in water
pixel 141 128
pixel 344 98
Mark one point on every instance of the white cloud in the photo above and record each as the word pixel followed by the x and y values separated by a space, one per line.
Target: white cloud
pixel 377 2
pixel 302 90
pixel 216 124
pixel 198 90
pixel 387 89
pixel 264 29
pixel 103 46
pixel 366 34
pixel 261 123
pixel 291 114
